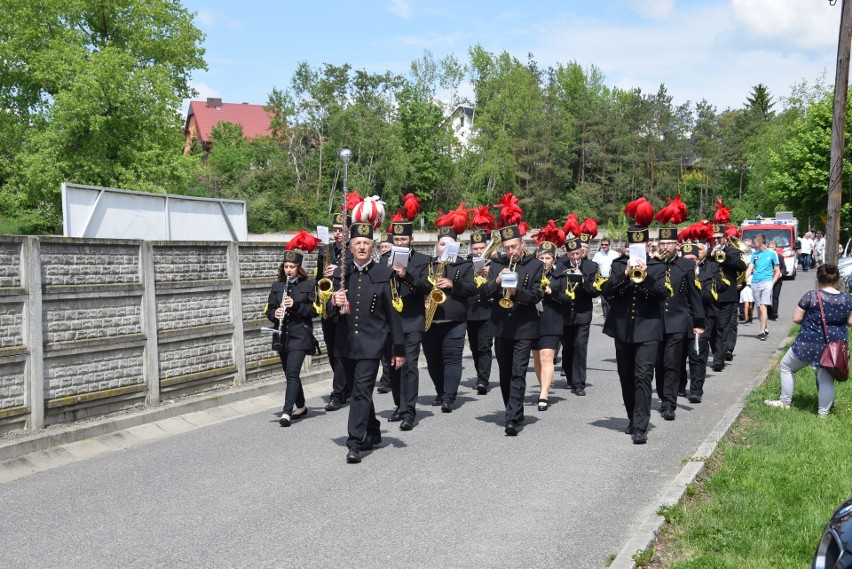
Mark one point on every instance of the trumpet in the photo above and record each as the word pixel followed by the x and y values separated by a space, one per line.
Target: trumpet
pixel 436 295
pixel 571 288
pixel 719 256
pixel 507 302
pixel 637 275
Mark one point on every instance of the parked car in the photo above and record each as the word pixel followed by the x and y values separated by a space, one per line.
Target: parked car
pixel 835 548
pixel 844 265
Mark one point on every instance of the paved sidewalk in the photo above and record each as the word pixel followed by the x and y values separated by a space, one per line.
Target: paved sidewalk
pixel 229 488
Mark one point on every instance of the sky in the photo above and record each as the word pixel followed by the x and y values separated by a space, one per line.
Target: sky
pixel 700 49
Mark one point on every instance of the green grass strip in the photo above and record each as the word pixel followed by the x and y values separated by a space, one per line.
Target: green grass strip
pixel 770 487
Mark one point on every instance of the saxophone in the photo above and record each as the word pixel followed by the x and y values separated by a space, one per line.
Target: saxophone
pixel 324 286
pixel 436 296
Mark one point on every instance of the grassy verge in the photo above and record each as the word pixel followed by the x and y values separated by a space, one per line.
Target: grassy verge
pixel 770 487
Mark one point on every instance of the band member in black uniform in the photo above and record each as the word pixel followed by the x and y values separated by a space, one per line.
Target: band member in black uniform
pixel 443 340
pixel 709 282
pixel 551 320
pixel 412 287
pixel 340 390
pixel 385 245
pixel 366 324
pixel 724 337
pixel 580 274
pixel 480 336
pixel 292 298
pixel 682 309
pixel 515 319
pixel 635 321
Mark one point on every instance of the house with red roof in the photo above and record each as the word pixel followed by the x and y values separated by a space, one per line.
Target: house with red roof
pixel 204 115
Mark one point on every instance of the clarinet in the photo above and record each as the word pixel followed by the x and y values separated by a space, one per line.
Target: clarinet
pixel 278 331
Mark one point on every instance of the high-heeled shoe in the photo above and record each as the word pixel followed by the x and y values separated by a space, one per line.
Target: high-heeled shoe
pixel 543 404
pixel 297 415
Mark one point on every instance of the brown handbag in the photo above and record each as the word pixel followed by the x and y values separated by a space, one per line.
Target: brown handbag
pixel 835 355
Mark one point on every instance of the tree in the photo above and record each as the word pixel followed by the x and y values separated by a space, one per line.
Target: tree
pixel 92 92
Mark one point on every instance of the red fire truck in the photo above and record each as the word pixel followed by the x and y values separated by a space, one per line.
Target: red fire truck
pixel 783 229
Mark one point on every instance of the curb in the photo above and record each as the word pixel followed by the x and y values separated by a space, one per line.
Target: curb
pixel 645 534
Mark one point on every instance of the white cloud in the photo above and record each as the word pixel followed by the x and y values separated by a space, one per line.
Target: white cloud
pixel 807 25
pixel 401 8
pixel 653 9
pixel 204 90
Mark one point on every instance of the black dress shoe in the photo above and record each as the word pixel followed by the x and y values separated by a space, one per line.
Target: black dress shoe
pixel 580 392
pixel 407 425
pixel 718 366
pixel 695 398
pixel 353 456
pixel 295 416
pixel 284 421
pixel 382 389
pixel 630 429
pixel 639 438
pixel 446 407
pixel 729 356
pixel 371 441
pixel 333 405
pixel 512 428
pixel 668 415
pixel 681 393
pixel 481 389
pixel 395 417
pixel 437 401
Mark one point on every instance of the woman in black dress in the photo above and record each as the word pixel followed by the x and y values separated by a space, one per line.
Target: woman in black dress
pixel 552 321
pixel 291 309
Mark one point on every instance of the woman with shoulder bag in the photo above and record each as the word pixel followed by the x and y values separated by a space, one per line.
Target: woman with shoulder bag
pixel 292 298
pixel 808 347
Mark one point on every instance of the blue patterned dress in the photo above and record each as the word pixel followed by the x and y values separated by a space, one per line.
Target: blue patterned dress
pixel 810 342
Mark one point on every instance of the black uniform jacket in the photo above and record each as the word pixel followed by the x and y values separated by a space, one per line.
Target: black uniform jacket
pixel 372 320
pixel 478 309
pixel 682 308
pixel 579 310
pixel 635 310
pixel 554 305
pixel 710 280
pixel 455 307
pixel 298 329
pixel 732 265
pixel 413 289
pixel 521 322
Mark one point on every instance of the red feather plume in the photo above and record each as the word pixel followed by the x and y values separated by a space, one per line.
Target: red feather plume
pixel 410 206
pixel 523 228
pixel 589 227
pixel 396 217
pixel 704 231
pixel 457 219
pixel 510 211
pixel 572 225
pixel 723 214
pixel 550 233
pixel 732 231
pixel 641 211
pixel 303 241
pixel 674 212
pixel 483 218
pixel 353 199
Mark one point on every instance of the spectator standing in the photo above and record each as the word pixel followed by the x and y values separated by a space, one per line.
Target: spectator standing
pixel 604 258
pixel 811 341
pixel 776 288
pixel 806 251
pixel 819 249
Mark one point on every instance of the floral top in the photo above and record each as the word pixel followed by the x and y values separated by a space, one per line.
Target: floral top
pixel 810 342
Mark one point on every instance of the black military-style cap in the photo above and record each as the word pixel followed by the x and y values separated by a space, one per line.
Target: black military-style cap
pixel 404 228
pixel 717 228
pixel 668 234
pixel 510 232
pixel 447 231
pixel 573 244
pixel 293 257
pixel 385 238
pixel 637 234
pixel 546 247
pixel 689 249
pixel 360 230
pixel 337 219
pixel 478 236
pixel 585 238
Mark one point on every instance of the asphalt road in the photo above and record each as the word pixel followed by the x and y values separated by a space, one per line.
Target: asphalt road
pixel 454 492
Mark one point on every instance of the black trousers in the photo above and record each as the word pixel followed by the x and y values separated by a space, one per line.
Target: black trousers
pixel 481 338
pixel 697 365
pixel 443 344
pixel 362 413
pixel 513 358
pixel 341 388
pixel 293 393
pixel 724 335
pixel 776 298
pixel 575 347
pixel 384 381
pixel 668 369
pixel 635 372
pixel 405 381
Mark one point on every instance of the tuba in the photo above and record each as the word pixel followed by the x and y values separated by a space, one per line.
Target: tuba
pixel 436 296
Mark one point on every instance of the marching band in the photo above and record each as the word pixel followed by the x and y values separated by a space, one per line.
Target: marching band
pixel 671 302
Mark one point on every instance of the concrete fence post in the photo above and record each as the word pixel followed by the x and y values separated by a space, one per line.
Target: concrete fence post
pixel 236 303
pixel 151 361
pixel 34 337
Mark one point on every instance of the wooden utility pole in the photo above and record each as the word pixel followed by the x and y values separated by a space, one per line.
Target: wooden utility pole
pixel 838 132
